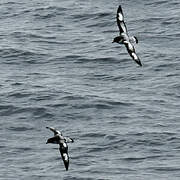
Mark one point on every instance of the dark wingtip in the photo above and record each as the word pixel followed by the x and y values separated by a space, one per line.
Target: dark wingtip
pixel 119 9
pixel 66 166
pixel 139 62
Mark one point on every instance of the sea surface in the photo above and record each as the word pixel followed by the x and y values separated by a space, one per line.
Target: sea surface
pixel 59 68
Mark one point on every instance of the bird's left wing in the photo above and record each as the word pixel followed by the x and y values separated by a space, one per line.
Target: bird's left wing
pixel 54 130
pixel 120 21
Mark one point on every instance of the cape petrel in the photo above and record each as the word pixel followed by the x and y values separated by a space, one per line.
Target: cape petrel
pixel 58 138
pixel 124 37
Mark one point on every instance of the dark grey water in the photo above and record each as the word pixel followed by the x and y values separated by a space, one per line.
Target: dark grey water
pixel 59 68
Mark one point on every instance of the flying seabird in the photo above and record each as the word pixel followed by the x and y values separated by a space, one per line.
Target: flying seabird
pixel 124 37
pixel 58 138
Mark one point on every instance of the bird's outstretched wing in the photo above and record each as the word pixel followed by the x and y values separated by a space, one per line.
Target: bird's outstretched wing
pixel 131 50
pixel 64 155
pixel 120 21
pixel 54 130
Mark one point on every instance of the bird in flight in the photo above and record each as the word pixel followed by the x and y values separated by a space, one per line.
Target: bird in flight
pixel 58 138
pixel 124 38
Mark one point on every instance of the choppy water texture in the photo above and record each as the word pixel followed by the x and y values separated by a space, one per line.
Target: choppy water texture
pixel 59 68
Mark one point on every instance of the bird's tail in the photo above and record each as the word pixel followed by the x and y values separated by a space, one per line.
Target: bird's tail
pixel 69 140
pixel 133 39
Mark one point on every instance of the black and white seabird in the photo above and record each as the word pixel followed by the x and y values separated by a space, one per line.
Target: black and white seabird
pixel 124 37
pixel 58 138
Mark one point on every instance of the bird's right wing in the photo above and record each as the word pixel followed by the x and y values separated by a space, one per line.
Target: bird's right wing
pixel 65 156
pixel 131 50
pixel 120 21
pixel 54 130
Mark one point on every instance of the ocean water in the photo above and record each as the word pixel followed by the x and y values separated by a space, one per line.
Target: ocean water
pixel 59 68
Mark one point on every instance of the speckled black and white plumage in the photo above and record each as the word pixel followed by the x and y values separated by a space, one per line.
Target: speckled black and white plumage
pixel 58 138
pixel 124 38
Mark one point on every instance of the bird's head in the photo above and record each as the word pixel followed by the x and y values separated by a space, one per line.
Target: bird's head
pixel 53 140
pixel 117 39
pixel 48 141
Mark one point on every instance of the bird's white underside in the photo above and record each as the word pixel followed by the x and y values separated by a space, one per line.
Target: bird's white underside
pixel 64 144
